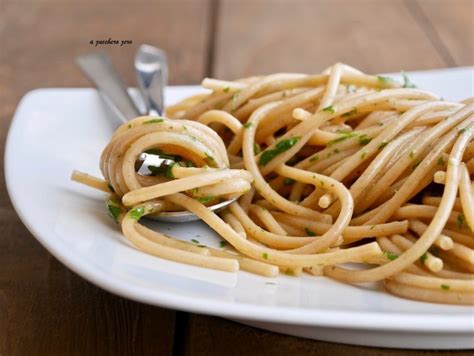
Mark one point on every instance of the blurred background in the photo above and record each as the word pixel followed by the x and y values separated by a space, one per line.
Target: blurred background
pixel 44 308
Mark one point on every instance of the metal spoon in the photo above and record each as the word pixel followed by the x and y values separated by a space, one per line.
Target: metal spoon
pixel 152 73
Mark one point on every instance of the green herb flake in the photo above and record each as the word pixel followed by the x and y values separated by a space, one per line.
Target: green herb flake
pixel 414 166
pixel 384 80
pixel 423 258
pixel 349 113
pixel 129 126
pixel 280 147
pixel 390 255
pixel 289 272
pixel 461 219
pixel 234 100
pixel 464 130
pixel 209 159
pixel 248 125
pixel 163 170
pixel 336 150
pixel 153 121
pixel 226 89
pixel 309 232
pixel 314 158
pixel 406 81
pixel 440 161
pixel 363 155
pixel 364 140
pixel 195 241
pixel 256 148
pixel 137 213
pixel 382 145
pixel 344 136
pixel 265 256
pixel 444 287
pixel 412 154
pixel 329 109
pixel 222 243
pixel 205 200
pixel 288 181
pixel 111 188
pixel 113 209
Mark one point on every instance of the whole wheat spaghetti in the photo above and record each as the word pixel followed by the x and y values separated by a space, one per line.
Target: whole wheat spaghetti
pixel 328 169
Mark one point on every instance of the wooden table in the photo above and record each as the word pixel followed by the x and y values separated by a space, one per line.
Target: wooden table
pixel 45 308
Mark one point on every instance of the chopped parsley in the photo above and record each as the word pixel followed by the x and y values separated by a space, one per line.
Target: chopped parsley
pixel 280 147
pixel 391 256
pixel 205 200
pixel 234 100
pixel 289 272
pixel 364 140
pixel 137 213
pixel 464 130
pixel 111 188
pixel 383 144
pixel 129 126
pixel 349 113
pixel 163 170
pixel 344 136
pixel 226 89
pixel 248 125
pixel 336 150
pixel 265 256
pixel 222 243
pixel 329 109
pixel 256 148
pixel 309 232
pixel 113 209
pixel 195 241
pixel 406 81
pixel 288 181
pixel 415 165
pixel 209 159
pixel 445 287
pixel 412 154
pixel 363 155
pixel 423 258
pixel 314 158
pixel 441 161
pixel 384 80
pixel 153 121
pixel 461 220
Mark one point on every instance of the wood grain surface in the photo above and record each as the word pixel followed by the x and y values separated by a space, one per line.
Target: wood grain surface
pixel 47 310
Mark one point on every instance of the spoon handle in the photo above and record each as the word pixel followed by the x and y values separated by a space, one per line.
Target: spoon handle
pixel 99 69
pixel 151 69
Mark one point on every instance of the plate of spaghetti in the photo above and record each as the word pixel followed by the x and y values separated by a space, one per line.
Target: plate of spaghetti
pixel 353 216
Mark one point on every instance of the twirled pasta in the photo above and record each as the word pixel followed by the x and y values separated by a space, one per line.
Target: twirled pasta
pixel 330 168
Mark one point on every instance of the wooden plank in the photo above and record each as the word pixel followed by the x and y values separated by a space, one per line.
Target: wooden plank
pixel 211 336
pixel 265 36
pixel 451 24
pixel 45 308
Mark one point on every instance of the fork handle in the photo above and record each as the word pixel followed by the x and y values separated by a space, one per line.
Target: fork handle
pixel 99 69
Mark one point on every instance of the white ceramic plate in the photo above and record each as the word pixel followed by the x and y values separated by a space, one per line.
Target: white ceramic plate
pixel 57 130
